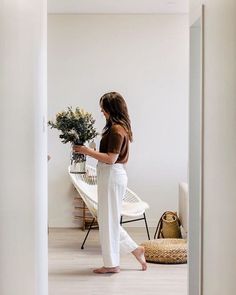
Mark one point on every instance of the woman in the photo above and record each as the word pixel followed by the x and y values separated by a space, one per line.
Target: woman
pixel 112 182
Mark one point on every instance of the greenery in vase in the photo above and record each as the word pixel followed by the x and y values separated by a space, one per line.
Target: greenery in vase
pixel 76 126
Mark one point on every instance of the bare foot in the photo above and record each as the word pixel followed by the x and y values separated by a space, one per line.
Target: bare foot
pixel 139 255
pixel 103 270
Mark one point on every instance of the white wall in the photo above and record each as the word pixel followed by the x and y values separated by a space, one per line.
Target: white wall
pixel 145 58
pixel 23 148
pixel 219 236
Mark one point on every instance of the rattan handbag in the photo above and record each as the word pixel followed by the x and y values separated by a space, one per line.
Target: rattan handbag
pixel 168 226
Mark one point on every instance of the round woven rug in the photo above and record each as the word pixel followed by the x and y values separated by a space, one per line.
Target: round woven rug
pixel 166 250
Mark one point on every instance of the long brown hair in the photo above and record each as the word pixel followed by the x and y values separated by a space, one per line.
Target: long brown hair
pixel 114 104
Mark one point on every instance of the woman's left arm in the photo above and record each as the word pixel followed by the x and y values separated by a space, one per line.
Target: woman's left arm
pixel 108 158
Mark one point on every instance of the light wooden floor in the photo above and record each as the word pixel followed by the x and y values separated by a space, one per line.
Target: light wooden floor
pixel 70 269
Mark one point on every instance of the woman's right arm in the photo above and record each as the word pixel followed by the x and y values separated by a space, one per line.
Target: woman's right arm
pixel 108 158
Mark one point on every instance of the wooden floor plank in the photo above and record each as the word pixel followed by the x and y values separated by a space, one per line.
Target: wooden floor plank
pixel 70 269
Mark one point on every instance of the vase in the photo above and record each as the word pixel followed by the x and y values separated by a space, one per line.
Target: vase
pixel 77 163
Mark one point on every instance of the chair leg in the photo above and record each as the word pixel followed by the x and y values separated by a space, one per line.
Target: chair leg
pixel 121 220
pixel 91 224
pixel 145 220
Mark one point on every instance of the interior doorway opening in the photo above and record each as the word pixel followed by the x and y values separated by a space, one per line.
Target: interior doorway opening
pixel 77 61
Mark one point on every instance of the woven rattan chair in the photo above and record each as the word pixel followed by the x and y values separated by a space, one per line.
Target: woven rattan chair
pixel 86 185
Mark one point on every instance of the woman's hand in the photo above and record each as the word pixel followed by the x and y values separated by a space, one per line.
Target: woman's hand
pixel 81 149
pixel 108 158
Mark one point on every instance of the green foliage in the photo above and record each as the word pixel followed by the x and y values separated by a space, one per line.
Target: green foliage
pixel 75 126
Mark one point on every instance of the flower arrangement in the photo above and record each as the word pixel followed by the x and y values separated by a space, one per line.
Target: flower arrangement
pixel 76 126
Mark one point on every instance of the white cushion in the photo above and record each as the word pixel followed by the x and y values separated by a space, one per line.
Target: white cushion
pixel 183 205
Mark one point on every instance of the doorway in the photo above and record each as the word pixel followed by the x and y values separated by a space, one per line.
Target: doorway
pixel 81 73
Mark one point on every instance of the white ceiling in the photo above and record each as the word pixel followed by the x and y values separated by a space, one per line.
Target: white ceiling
pixel 118 6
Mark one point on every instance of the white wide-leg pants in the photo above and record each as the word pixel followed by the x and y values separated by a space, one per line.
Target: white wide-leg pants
pixel 112 183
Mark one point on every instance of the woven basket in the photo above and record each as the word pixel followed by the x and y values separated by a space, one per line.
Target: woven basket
pixel 166 250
